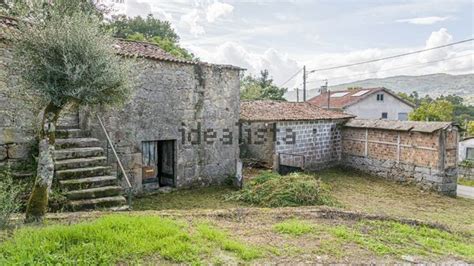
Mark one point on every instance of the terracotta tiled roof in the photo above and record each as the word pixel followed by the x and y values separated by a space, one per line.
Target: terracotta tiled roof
pixel 352 97
pixel 418 126
pixel 286 111
pixel 153 51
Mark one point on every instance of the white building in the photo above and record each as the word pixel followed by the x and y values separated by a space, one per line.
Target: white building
pixel 466 149
pixel 374 103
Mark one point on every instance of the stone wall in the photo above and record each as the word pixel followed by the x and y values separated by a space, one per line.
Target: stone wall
pixel 427 159
pixel 18 116
pixel 257 142
pixel 195 105
pixel 318 143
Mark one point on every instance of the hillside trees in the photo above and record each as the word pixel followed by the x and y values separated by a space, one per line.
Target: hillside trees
pixel 149 29
pixel 65 58
pixel 261 88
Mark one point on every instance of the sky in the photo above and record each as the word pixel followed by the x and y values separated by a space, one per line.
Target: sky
pixel 284 36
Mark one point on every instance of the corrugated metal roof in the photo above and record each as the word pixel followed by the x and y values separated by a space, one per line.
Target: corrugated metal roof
pixel 286 111
pixel 417 126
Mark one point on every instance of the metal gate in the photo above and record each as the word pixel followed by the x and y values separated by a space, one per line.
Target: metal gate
pixel 290 163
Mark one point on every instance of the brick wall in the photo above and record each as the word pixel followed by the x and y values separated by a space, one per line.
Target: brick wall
pixel 427 159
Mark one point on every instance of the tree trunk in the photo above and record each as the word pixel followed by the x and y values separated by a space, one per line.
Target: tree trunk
pixel 38 202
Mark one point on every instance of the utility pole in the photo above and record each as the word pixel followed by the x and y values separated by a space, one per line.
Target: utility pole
pixel 297 94
pixel 304 83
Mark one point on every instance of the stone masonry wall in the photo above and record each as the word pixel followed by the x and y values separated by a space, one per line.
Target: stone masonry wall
pixel 18 117
pixel 257 142
pixel 196 105
pixel 422 158
pixel 318 141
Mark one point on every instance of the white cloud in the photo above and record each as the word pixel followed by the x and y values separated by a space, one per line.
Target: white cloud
pixel 423 20
pixel 216 10
pixel 190 21
pixel 280 66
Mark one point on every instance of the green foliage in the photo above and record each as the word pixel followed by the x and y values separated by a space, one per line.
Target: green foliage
pixel 439 110
pixel 38 10
pixel 293 227
pixel 466 182
pixel 9 197
pixel 261 88
pixel 273 190
pixel 118 238
pixel 150 30
pixel 470 128
pixel 70 59
pixel 225 242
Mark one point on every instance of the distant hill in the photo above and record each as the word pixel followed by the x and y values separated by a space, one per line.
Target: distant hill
pixel 433 85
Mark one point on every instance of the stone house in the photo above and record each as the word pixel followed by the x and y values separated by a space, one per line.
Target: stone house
pixel 289 135
pixel 179 129
pixel 373 103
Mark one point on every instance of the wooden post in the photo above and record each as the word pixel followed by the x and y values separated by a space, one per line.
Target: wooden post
pixel 398 147
pixel 366 142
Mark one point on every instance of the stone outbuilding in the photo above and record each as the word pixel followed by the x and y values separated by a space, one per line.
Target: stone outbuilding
pixel 289 135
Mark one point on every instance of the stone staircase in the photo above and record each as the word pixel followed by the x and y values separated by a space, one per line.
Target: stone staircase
pixel 83 173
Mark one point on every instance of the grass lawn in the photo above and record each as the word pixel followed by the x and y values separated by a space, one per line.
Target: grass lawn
pixel 201 226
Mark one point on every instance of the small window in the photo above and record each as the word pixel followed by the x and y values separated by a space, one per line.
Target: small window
pixel 384 115
pixel 380 97
pixel 470 154
pixel 403 116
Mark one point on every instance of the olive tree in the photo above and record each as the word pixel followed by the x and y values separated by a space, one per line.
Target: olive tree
pixel 65 59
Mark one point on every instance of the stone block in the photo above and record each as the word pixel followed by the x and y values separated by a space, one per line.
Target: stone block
pixel 3 152
pixel 18 151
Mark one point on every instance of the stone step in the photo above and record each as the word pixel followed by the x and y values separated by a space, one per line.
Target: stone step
pixel 88 204
pixel 93 193
pixel 71 133
pixel 77 143
pixel 78 153
pixel 89 182
pixel 77 173
pixel 64 127
pixel 80 162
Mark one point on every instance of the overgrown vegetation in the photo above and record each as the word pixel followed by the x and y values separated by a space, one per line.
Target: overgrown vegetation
pixel 260 88
pixel 151 30
pixel 116 238
pixel 293 227
pixel 269 189
pixel 10 192
pixel 466 182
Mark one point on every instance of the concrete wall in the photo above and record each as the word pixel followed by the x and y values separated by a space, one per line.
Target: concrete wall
pixel 428 160
pixel 257 142
pixel 318 141
pixel 463 145
pixel 174 101
pixel 370 108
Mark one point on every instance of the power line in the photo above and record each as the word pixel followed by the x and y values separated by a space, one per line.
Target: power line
pixel 389 69
pixel 293 76
pixel 391 57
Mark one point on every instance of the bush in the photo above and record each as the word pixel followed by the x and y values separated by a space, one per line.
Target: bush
pixel 273 190
pixel 9 197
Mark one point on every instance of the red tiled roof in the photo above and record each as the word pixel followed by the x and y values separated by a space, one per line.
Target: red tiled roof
pixel 350 98
pixel 286 111
pixel 418 126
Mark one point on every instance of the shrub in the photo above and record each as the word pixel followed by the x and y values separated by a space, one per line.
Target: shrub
pixel 9 197
pixel 273 190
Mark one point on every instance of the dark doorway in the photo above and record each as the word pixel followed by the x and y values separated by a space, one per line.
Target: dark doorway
pixel 158 162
